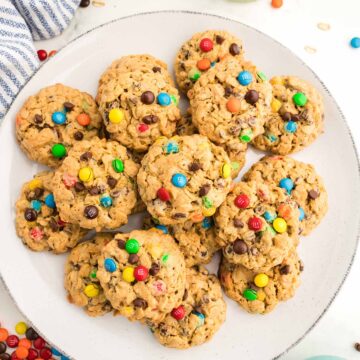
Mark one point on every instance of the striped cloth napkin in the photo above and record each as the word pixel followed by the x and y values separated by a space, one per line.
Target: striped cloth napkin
pixel 22 22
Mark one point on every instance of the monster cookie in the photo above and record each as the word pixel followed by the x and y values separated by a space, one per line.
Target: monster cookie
pixel 259 292
pixel 197 241
pixel 200 315
pixel 230 103
pixel 201 53
pixel 53 120
pixel 94 186
pixel 257 225
pixel 296 119
pixel 298 179
pixel 184 178
pixel 38 223
pixel 138 107
pixel 81 281
pixel 142 274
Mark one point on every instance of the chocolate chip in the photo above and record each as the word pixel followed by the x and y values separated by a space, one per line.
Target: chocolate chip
pixel 54 225
pixel 301 265
pixel 111 182
pixel 251 97
pixel 121 244
pixel 238 223
pixel 204 190
pixel 31 334
pixel 150 119
pixel 286 116
pixel 91 212
pixel 78 135
pixel 228 91
pixel 68 106
pixel 84 3
pixel 35 194
pixel 313 194
pixel 94 190
pixel 219 39
pixel 195 166
pixel 133 258
pixel 285 270
pixel 197 308
pixel 357 346
pixel 86 156
pixel 147 97
pixel 156 69
pixel 38 119
pixel 179 216
pixel 79 186
pixel 30 215
pixel 240 247
pixel 234 49
pixel 155 268
pixel 140 303
pixel 5 356
pixel 2 347
pixel 185 295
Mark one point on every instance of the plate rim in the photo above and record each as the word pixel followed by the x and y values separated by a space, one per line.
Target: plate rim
pixel 324 87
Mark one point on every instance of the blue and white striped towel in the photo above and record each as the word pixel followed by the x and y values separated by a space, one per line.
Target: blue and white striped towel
pixel 22 22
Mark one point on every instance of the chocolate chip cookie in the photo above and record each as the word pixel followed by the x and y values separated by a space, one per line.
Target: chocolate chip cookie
pixel 142 274
pixel 200 315
pixel 298 179
pixel 259 292
pixel 297 116
pixel 202 52
pixel 257 224
pixel 184 178
pixel 94 186
pixel 81 283
pixel 38 223
pixel 53 120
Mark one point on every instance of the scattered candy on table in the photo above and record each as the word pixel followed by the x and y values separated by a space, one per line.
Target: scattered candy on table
pixel 276 4
pixel 355 42
pixel 42 55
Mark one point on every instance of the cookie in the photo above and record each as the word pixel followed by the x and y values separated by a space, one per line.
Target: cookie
pixel 184 178
pixel 199 54
pixel 259 292
pixel 142 274
pixel 297 116
pixel 38 223
pixel 300 180
pixel 138 107
pixel 257 225
pixel 231 102
pixel 55 119
pixel 95 185
pixel 197 241
pixel 81 283
pixel 200 315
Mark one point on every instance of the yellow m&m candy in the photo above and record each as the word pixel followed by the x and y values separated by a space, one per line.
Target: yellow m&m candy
pixel 261 295
pixel 116 116
pixel 91 290
pixel 226 171
pixel 280 225
pixel 128 274
pixel 209 212
pixel 275 105
pixel 86 174
pixel 261 280
pixel 20 328
pixel 33 184
pixel 127 311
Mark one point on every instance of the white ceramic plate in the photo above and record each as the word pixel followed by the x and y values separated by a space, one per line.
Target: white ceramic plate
pixel 36 280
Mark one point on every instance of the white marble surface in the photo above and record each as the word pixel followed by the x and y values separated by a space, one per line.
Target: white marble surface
pixel 295 25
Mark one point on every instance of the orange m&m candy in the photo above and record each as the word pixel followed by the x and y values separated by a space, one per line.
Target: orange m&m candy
pixel 233 105
pixel 277 3
pixel 203 64
pixel 83 119
pixel 25 343
pixel 22 352
pixel 3 334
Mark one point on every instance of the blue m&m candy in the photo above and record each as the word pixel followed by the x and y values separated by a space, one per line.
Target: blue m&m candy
pixel 355 42
pixel 201 318
pixel 291 127
pixel 245 78
pixel 58 117
pixel 55 352
pixel 179 180
pixel 171 147
pixel 302 214
pixel 287 184
pixel 207 223
pixel 164 99
pixel 106 201
pixel 36 205
pixel 50 201
pixel 110 265
pixel 269 217
pixel 163 228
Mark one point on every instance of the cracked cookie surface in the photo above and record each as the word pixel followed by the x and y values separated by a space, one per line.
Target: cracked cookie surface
pixel 58 116
pixel 184 178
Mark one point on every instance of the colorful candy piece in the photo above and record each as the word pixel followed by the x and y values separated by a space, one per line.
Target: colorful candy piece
pixel 233 105
pixel 178 313
pixel 203 64
pixel 163 194
pixel 302 214
pixel 246 135
pixel 171 147
pixel 58 151
pixel 58 118
pixel 206 45
pixel 208 211
pixel 117 165
pixel 132 246
pixel 3 334
pixel 36 205
pixel 276 4
pixel 21 352
pixel 141 273
pixel 179 180
pixel 255 223
pixel 275 105
pixel 110 265
pixel 39 343
pixel 245 78
pixel 83 119
pixel 50 201
pixel 36 233
pixel 194 74
pixel 45 353
pixel 242 201
pixel 163 228
pixel 116 116
pixel 143 127
pixel 147 97
pixel 128 274
pixel 42 54
pixel 201 318
pixel 290 127
pixel 12 341
pixel 91 212
pixel 207 223
pixel 269 217
pixel 91 290
pixel 299 99
pixel 20 328
pixel 207 202
pixel 287 184
pixel 280 225
pixel 106 201
pixel 86 174
pixel 250 294
pixel 164 99
pixel 355 42
pixel 261 280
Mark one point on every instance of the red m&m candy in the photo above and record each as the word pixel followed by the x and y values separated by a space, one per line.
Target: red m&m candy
pixel 255 223
pixel 45 353
pixel 12 341
pixel 163 194
pixel 42 55
pixel 141 273
pixel 242 201
pixel 178 313
pixel 143 127
pixel 206 45
pixel 33 354
pixel 39 343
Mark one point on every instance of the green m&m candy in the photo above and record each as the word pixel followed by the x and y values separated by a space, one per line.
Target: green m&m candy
pixel 132 246
pixel 194 74
pixel 246 135
pixel 250 294
pixel 300 99
pixel 118 165
pixel 58 150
